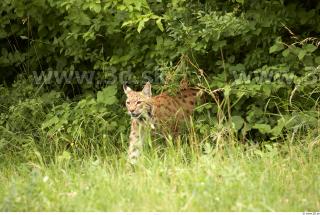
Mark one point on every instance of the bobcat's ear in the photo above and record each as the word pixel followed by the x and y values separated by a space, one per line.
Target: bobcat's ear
pixel 147 89
pixel 126 89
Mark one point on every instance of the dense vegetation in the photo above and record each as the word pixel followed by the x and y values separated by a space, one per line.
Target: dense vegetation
pixel 62 66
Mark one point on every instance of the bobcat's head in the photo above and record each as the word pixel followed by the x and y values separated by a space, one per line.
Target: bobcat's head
pixel 138 102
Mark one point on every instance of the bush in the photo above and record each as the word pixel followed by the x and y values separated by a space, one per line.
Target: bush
pixel 264 54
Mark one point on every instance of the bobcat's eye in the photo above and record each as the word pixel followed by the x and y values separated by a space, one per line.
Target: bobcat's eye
pixel 138 102
pixel 128 103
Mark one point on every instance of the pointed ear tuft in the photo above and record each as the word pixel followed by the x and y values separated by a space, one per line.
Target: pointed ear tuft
pixel 147 89
pixel 126 89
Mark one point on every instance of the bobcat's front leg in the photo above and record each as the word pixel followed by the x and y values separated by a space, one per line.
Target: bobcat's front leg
pixel 135 141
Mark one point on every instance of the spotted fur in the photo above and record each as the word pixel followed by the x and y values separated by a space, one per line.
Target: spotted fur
pixel 162 112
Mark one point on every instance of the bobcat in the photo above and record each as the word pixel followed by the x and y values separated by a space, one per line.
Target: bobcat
pixel 161 112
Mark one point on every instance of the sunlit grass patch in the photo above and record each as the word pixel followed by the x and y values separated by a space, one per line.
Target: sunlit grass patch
pixel 242 178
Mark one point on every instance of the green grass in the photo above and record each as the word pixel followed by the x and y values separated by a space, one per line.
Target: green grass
pixel 235 178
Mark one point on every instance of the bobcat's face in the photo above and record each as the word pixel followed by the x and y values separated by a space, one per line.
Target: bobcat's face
pixel 138 102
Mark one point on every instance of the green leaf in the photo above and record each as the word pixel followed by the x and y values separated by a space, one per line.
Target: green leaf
pixel 127 23
pixel 276 47
pixel 140 25
pixel 286 53
pixel 309 48
pixel 297 50
pixel 263 128
pixel 24 37
pixel 83 19
pixel 301 54
pixel 159 24
pixel 107 96
pixel 267 89
pixel 276 131
pixel 317 60
pixel 50 122
pixel 237 122
pixel 96 8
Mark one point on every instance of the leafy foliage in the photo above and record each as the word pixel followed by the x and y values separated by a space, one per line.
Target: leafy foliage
pixel 264 54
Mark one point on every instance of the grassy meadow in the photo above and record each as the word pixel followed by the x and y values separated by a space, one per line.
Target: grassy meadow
pixel 275 177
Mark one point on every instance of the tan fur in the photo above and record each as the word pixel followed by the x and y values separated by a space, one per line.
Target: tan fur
pixel 161 112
